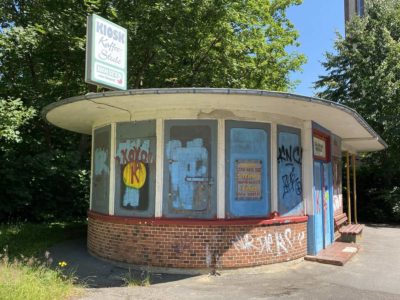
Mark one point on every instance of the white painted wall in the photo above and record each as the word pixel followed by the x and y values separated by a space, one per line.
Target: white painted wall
pixel 221 170
pixel 274 168
pixel 159 167
pixel 113 150
pixel 91 170
pixel 308 169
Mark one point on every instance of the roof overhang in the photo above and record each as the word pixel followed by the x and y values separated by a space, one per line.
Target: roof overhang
pixel 81 113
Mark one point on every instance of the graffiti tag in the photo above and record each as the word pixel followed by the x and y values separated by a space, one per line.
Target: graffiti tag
pixel 282 242
pixel 291 183
pixel 291 154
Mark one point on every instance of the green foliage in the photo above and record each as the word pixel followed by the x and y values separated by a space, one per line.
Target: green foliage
pixel 364 74
pixel 217 43
pixel 13 114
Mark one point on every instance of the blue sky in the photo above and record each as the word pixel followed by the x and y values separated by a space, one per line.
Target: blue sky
pixel 317 22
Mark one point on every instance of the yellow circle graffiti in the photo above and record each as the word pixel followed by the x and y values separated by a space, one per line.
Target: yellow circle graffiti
pixel 135 174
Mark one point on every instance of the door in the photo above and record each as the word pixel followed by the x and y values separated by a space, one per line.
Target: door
pixel 323 214
pixel 318 205
pixel 327 204
pixel 321 218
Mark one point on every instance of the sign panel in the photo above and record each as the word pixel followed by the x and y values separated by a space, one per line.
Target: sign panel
pixel 319 147
pixel 106 53
pixel 248 179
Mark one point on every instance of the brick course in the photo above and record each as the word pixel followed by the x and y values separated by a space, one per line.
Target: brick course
pixel 141 242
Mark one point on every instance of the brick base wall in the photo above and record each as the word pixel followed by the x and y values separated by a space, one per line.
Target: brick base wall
pixel 195 246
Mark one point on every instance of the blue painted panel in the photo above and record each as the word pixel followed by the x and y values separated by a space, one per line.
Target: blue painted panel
pixel 290 200
pixel 318 211
pixel 328 213
pixel 189 174
pixel 248 188
pixel 190 169
pixel 311 235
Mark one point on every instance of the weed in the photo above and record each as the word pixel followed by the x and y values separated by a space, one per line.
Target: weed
pixel 25 276
pixel 131 279
pixel 28 278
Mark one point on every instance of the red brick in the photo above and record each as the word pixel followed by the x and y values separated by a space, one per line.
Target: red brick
pixel 184 246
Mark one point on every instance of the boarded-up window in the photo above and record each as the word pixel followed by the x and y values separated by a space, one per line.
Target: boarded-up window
pixel 290 199
pixel 135 168
pixel 190 168
pixel 101 169
pixel 247 169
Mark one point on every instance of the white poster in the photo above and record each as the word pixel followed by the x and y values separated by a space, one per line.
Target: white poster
pixel 319 147
pixel 106 53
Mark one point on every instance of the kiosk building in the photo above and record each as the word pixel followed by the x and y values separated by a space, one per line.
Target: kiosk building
pixel 201 177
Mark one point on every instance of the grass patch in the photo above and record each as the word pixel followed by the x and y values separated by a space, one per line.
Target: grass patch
pixel 29 279
pixel 34 239
pixel 131 279
pixel 25 272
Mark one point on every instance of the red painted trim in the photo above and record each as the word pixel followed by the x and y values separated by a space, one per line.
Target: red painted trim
pixel 326 137
pixel 188 222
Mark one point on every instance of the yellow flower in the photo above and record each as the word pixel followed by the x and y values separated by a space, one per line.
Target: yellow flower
pixel 62 264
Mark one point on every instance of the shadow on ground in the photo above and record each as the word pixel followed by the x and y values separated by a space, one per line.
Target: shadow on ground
pixel 375 225
pixel 95 273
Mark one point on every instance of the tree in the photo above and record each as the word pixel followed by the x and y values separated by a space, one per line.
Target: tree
pixel 218 43
pixel 12 115
pixel 364 74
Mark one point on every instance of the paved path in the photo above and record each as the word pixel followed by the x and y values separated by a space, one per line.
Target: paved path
pixel 374 273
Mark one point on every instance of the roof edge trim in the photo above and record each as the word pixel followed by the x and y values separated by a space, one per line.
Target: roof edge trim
pixel 200 90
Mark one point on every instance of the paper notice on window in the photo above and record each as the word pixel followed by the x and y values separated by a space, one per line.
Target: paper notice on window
pixel 248 179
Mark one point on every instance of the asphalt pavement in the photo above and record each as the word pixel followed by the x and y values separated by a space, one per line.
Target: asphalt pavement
pixel 374 273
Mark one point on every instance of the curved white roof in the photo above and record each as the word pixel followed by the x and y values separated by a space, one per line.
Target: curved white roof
pixel 81 113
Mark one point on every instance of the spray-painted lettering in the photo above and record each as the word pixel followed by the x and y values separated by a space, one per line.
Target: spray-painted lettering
pixel 281 242
pixel 289 153
pixel 134 150
pixel 289 166
pixel 291 183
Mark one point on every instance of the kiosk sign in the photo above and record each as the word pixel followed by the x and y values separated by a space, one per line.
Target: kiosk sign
pixel 106 53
